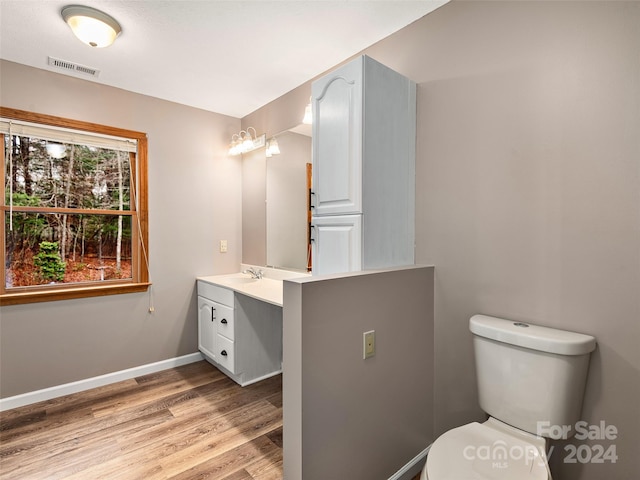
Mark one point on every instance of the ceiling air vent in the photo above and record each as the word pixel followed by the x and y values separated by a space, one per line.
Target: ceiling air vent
pixel 73 67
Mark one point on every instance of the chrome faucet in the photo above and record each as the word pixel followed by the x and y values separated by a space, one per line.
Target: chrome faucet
pixel 255 273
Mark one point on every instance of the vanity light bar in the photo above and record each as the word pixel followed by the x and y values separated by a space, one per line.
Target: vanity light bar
pixel 244 142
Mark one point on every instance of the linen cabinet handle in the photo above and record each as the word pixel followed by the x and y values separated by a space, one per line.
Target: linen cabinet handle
pixel 224 320
pixel 223 353
pixel 213 313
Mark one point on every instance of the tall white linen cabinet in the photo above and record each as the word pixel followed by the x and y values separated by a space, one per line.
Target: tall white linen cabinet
pixel 363 179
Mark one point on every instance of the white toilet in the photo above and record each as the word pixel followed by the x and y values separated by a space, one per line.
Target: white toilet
pixel 530 380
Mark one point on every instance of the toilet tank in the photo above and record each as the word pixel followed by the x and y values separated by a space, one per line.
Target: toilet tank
pixel 530 377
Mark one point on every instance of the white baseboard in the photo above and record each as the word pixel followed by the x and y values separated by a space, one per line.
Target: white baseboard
pixel 259 379
pixel 88 383
pixel 412 468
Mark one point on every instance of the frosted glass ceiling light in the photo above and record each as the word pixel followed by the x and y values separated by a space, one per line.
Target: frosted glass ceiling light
pixel 91 26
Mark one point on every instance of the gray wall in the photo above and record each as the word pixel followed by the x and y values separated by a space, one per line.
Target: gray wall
pixel 194 201
pixel 528 190
pixel 345 417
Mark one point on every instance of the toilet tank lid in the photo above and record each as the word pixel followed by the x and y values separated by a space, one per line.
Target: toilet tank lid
pixel 535 337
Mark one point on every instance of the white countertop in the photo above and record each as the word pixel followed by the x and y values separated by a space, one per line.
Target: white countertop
pixel 265 289
pixel 268 288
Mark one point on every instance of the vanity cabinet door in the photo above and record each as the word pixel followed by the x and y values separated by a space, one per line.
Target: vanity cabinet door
pixel 337 244
pixel 207 328
pixel 337 141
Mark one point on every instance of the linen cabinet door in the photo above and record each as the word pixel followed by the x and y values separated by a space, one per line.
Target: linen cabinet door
pixel 337 244
pixel 337 141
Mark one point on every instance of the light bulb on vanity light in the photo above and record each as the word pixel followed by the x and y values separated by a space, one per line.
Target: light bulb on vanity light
pixel 272 147
pixel 308 114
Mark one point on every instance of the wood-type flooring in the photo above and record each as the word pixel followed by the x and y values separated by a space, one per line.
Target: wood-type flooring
pixel 189 422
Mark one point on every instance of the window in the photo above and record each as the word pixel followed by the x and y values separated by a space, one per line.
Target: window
pixel 75 209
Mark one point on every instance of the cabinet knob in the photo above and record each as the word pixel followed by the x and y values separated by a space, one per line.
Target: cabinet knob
pixel 223 353
pixel 224 320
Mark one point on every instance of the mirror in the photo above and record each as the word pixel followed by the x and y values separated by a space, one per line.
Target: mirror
pixel 287 201
pixel 275 203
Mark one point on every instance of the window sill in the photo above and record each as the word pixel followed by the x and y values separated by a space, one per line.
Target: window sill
pixel 70 293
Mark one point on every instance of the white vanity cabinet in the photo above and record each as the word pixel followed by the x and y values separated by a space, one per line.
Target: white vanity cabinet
pixel 363 166
pixel 240 335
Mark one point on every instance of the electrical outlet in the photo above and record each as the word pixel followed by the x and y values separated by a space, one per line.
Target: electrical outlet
pixel 223 246
pixel 369 344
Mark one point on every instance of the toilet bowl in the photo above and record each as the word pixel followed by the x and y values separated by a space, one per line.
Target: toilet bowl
pixel 490 450
pixel 526 374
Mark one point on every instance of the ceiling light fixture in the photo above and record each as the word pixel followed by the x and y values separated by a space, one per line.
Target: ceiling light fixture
pixel 244 142
pixel 91 26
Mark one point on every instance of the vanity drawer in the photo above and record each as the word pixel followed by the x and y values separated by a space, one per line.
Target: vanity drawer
pixel 224 318
pixel 215 293
pixel 225 354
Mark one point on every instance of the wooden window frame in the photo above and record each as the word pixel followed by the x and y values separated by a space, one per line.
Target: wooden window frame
pixel 140 248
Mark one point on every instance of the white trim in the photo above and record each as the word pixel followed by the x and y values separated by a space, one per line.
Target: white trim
pixel 53 133
pixel 88 383
pixel 237 377
pixel 259 379
pixel 417 461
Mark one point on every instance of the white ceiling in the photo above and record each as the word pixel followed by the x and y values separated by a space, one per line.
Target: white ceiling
pixel 225 56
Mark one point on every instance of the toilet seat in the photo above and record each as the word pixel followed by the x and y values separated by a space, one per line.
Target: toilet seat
pixel 491 450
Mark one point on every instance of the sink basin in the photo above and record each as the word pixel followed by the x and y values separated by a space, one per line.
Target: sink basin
pixel 240 280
